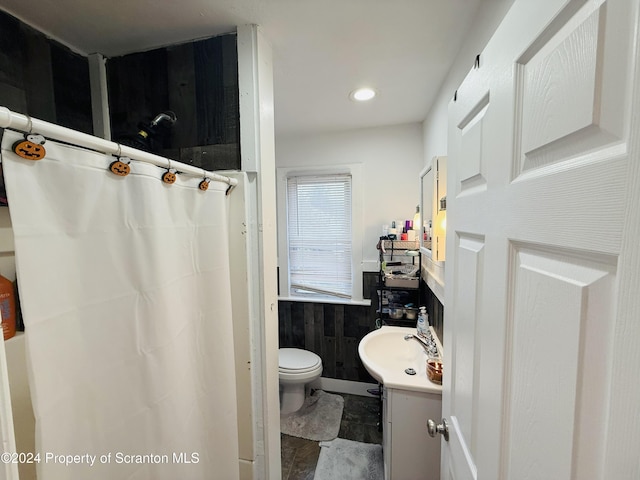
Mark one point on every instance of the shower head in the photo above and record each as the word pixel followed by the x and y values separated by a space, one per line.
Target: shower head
pixel 151 136
pixel 167 116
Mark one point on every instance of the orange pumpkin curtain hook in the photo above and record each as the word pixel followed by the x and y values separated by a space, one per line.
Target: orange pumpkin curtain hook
pixel 169 177
pixel 31 148
pixel 204 184
pixel 121 166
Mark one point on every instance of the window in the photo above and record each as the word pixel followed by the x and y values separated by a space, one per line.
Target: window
pixel 319 235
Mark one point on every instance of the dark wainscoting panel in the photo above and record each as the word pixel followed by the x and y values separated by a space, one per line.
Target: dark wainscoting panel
pixel 369 284
pixel 332 331
pixel 434 308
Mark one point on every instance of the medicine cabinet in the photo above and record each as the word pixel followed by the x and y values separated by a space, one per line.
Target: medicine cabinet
pixel 433 207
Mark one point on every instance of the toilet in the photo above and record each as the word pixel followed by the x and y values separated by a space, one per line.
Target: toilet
pixel 297 368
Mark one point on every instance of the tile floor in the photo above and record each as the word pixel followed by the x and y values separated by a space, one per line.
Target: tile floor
pixel 359 423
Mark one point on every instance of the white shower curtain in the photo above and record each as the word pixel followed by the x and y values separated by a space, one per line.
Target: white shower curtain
pixel 125 290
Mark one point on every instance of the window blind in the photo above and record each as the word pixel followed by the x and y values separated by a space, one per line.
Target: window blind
pixel 319 235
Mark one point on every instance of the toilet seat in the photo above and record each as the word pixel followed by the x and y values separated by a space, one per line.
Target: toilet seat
pixel 297 370
pixel 297 361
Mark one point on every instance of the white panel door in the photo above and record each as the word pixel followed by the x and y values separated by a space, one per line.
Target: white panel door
pixel 543 256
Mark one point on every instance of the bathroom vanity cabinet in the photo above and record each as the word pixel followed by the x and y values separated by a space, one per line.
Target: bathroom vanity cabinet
pixel 409 452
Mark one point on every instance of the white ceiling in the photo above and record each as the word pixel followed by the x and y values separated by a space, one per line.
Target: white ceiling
pixel 322 49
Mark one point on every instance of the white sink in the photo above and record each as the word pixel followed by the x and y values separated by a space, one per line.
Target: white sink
pixel 386 355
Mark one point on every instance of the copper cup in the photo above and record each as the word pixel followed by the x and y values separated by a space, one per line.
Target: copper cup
pixel 434 370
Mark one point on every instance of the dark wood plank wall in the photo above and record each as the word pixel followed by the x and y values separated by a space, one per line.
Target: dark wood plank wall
pixel 435 309
pixel 332 331
pixel 198 81
pixel 71 89
pixel 138 90
pixel 369 284
pixel 182 94
pixel 41 78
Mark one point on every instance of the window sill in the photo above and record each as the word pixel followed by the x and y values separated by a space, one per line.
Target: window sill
pixel 365 303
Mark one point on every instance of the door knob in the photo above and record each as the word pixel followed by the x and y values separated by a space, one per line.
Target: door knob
pixel 441 428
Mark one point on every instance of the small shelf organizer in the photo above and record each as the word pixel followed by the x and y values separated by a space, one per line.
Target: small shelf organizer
pixel 399 256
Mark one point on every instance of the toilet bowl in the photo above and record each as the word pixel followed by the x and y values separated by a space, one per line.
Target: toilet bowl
pixel 297 368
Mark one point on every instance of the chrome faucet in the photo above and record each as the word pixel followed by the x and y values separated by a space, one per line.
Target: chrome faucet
pixel 429 348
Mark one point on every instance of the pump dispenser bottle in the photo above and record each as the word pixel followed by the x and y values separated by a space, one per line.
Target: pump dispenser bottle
pixel 422 326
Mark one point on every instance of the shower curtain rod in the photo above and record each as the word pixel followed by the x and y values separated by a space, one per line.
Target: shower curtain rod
pixel 18 121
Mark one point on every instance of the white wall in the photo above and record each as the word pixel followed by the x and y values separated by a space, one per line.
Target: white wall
pixel 392 158
pixel 489 15
pixel 257 138
pixel 487 18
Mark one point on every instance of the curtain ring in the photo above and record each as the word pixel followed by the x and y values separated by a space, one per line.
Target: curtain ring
pixel 33 137
pixel 32 146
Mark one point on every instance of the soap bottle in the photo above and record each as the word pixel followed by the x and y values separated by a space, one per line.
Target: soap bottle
pixel 423 323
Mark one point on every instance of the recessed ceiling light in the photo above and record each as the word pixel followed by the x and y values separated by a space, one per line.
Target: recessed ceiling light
pixel 362 94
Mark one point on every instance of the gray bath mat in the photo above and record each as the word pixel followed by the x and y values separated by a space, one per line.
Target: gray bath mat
pixel 349 460
pixel 318 418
